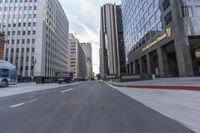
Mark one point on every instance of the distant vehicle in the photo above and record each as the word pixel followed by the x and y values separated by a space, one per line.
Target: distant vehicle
pixel 8 74
pixel 73 80
pixel 62 77
pixel 98 76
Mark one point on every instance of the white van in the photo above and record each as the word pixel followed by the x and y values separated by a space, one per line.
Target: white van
pixel 8 74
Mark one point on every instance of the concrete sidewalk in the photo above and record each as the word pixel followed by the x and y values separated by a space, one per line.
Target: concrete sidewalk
pixel 182 106
pixel 164 83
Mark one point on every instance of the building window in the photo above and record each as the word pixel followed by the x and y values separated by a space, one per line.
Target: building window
pixel 13 41
pixel 18 41
pixel 23 41
pixel 165 4
pixel 19 33
pixel 33 41
pixel 197 11
pixel 28 41
pixel 168 18
pixel 33 49
pixel 34 23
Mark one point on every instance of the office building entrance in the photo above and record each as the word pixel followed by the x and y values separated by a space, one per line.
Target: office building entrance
pixel 195 53
pixel 169 55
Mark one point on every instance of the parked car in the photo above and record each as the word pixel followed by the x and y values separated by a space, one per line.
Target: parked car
pixel 8 74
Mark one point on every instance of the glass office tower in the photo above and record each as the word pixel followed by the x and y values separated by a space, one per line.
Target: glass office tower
pixel 139 17
pixel 162 37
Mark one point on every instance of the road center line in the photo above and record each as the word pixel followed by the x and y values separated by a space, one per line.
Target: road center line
pixel 34 100
pixel 66 90
pixel 20 104
pixel 17 105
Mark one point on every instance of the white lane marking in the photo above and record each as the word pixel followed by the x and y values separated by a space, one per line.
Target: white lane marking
pixel 20 104
pixel 34 100
pixel 66 90
pixel 34 93
pixel 17 105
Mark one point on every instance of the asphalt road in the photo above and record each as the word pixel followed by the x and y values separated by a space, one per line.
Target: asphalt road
pixel 90 107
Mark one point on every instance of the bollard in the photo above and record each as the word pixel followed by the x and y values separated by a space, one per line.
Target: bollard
pixel 153 76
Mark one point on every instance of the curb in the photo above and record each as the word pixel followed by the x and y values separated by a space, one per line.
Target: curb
pixel 188 88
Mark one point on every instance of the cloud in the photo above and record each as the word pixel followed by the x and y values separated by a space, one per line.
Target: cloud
pixel 84 18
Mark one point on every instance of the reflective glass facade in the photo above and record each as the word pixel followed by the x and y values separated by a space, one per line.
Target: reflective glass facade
pixel 191 13
pixel 162 37
pixel 139 18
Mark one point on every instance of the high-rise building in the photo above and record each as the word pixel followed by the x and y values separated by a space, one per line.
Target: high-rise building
pixel 77 58
pixel 2 44
pixel 102 59
pixel 162 37
pixel 37 36
pixel 112 58
pixel 82 63
pixel 87 47
pixel 73 55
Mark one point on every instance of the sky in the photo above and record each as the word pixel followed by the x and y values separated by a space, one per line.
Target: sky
pixel 84 20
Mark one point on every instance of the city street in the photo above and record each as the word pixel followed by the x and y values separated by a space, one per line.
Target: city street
pixel 88 107
pixel 103 66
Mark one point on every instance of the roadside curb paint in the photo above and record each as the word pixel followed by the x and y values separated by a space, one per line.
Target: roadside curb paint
pixel 188 88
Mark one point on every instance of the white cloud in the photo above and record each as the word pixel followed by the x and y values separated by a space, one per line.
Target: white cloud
pixel 84 18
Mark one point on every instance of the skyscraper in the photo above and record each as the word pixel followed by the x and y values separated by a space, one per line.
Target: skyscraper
pixel 87 47
pixel 77 58
pixel 73 55
pixel 82 63
pixel 2 44
pixel 37 36
pixel 112 59
pixel 162 37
